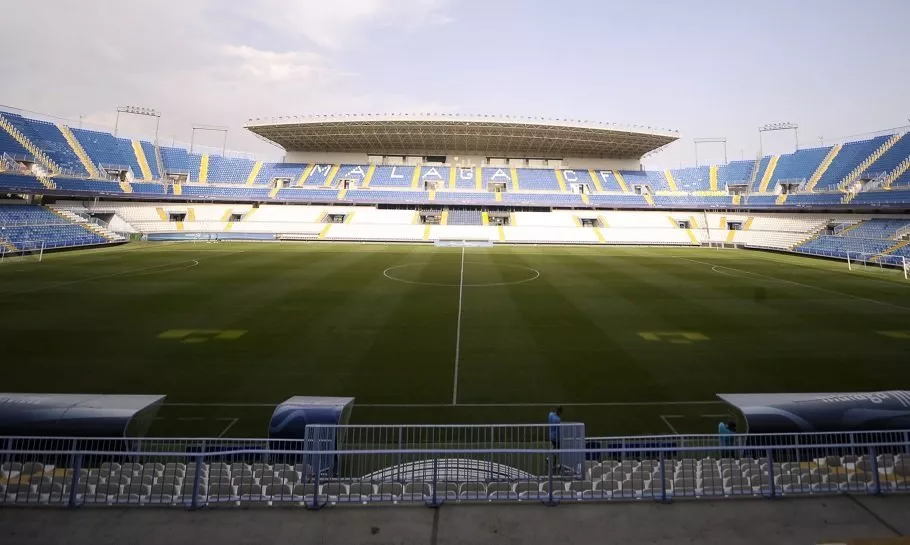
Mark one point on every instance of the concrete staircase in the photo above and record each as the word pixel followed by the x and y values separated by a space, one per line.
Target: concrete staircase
pixel 712 177
pixel 142 160
pixel 820 171
pixel 769 173
pixel 251 179
pixel 204 169
pixel 39 155
pixel 72 217
pixel 78 150
pixel 671 181
pixel 896 173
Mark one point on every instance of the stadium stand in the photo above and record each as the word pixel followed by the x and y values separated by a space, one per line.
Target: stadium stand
pixel 284 171
pixel 393 176
pixel 10 145
pixel 692 179
pixel 27 227
pixel 180 161
pixel 452 197
pixel 537 179
pixel 49 139
pixel 850 156
pixel 20 182
pixel 229 170
pixel 880 198
pixel 104 149
pixel 733 173
pixel 465 217
pixel 84 185
pixel 896 154
pixel 151 156
pixel 799 165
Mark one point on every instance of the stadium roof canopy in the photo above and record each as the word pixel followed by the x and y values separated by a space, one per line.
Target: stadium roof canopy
pixel 447 134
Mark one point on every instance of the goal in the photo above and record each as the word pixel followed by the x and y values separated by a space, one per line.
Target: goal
pixel 866 260
pixel 17 252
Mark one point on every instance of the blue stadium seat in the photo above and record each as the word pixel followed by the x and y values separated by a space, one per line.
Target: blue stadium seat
pixel 799 165
pixel 542 199
pixel 28 226
pixel 391 197
pixel 87 186
pixel 307 195
pixel 270 171
pixel 882 198
pixel 225 192
pixel 180 161
pixel 454 197
pixel 734 172
pixel 465 217
pixel 537 179
pixel 893 157
pixel 612 199
pixel 850 156
pixel 653 178
pixel 150 156
pixel 50 140
pixel 435 174
pixel 10 145
pixel 814 199
pixel 393 176
pixel 104 149
pixel 718 201
pixel 229 170
pixel 12 181
pixel 692 179
pixel 760 200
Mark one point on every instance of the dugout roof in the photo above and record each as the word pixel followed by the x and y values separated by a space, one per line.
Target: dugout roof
pixel 77 415
pixel 449 134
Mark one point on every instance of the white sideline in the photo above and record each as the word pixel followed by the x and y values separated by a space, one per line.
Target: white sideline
pixel 458 331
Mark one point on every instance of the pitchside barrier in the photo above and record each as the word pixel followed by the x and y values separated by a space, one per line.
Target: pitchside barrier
pixel 463 243
pixel 433 465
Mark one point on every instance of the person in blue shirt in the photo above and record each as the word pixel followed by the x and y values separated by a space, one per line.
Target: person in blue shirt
pixel 726 430
pixel 555 419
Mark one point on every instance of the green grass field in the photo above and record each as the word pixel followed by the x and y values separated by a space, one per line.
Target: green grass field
pixel 630 340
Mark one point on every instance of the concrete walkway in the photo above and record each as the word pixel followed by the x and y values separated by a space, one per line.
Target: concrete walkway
pixel 799 521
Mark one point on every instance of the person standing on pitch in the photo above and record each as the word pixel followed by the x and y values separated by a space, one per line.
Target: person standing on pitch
pixel 555 419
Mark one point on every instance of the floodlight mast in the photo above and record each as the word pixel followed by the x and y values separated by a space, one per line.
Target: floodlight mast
pixel 712 140
pixel 137 110
pixel 770 127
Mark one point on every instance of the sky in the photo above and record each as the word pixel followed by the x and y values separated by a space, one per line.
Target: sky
pixel 706 68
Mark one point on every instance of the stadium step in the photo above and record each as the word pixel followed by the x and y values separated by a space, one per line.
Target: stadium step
pixel 484 218
pixel 585 199
pixel 512 220
pixel 415 178
pixel 341 193
pixel 820 171
pixel 900 244
pixel 769 174
pixel 692 237
pixel 180 226
pixel 251 179
pixel 781 199
pixel 432 195
pixel 444 217
pixel 748 223
pixel 178 189
pixel 896 173
pixel 595 179
pixel 600 236
pixel 8 247
pixel 502 233
pixel 191 214
pixel 649 198
pixel 349 217
pixel 426 232
pixel 274 192
pixel 861 168
pixel 39 155
pixel 671 181
pixel 161 214
pixel 712 177
pixel 228 226
pixel 513 173
pixel 730 236
pixel 227 214
pixel 331 177
pixel 451 177
pixel 142 160
pixel 204 169
pixel 478 179
pixel 126 187
pixel 78 150
pixel 737 199
pixel 603 222
pixel 304 175
pixel 561 180
pixel 324 232
pixel 72 217
pixel 498 196
pixel 368 177
pixel 852 227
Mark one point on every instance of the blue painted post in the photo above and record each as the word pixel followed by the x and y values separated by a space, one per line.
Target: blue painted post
pixel 194 504
pixel 663 477
pixel 769 454
pixel 875 476
pixel 316 471
pixel 77 470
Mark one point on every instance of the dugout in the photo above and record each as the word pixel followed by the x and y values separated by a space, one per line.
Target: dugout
pixel 77 415
pixel 297 417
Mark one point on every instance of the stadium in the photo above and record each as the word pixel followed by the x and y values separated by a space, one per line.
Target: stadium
pixel 437 277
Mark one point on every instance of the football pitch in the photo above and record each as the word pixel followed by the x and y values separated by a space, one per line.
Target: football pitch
pixel 629 340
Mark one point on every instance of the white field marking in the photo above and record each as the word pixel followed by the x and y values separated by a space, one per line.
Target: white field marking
pixel 666 418
pixel 458 331
pixel 800 284
pixel 190 418
pixel 462 284
pixel 714 268
pixel 476 405
pixel 229 426
pixel 193 263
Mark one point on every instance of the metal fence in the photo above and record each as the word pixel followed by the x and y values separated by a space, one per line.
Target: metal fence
pixel 432 465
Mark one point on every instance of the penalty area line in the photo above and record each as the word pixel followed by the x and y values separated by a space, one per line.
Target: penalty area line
pixel 458 331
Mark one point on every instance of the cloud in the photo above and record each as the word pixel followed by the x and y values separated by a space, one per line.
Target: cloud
pixel 271 66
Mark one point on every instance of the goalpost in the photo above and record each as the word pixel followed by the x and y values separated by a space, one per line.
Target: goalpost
pixel 896 261
pixel 28 251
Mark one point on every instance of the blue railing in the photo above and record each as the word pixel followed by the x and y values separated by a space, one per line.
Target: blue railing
pixel 399 466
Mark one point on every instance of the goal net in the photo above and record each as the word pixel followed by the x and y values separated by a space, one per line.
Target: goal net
pixel 882 261
pixel 17 252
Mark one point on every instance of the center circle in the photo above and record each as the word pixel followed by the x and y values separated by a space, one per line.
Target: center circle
pixel 403 273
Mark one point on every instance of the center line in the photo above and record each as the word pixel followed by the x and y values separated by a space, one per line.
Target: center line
pixel 458 331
